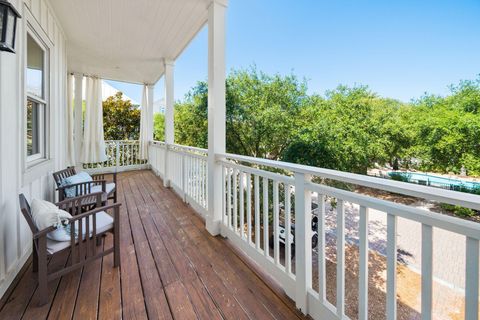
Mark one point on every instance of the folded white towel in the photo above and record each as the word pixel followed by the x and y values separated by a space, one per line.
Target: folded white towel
pixel 46 214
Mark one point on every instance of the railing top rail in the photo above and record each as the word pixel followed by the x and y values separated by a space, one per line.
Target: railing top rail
pixel 158 143
pixel 262 173
pixel 179 146
pixel 460 226
pixel 123 141
pixel 445 196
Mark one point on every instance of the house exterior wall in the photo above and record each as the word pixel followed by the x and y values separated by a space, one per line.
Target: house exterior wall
pixel 15 176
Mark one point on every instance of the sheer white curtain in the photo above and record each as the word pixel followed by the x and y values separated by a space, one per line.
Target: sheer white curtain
pixel 70 124
pixel 93 140
pixel 145 119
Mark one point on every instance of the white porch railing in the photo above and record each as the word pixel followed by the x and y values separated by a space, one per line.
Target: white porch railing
pixel 122 155
pixel 186 170
pixel 261 195
pixel 249 212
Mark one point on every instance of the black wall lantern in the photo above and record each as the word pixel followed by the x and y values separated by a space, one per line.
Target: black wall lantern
pixel 8 26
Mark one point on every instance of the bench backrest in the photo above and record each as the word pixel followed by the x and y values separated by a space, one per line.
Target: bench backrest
pixel 62 174
pixel 27 213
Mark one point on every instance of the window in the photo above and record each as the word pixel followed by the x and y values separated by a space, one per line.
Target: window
pixel 36 104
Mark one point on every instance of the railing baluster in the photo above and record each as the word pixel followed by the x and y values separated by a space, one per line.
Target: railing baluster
pixel 256 187
pixel 224 200
pixel 340 258
pixel 276 222
pixel 206 184
pixel 202 189
pixel 197 181
pixel 249 207
pixel 321 249
pixel 194 178
pixel 194 182
pixel 205 196
pixel 265 217
pixel 288 228
pixel 123 154
pixel 235 204
pixel 391 266
pixel 189 176
pixel 363 276
pixel 184 180
pixel 229 197
pixel 242 205
pixel 427 270
pixel 471 279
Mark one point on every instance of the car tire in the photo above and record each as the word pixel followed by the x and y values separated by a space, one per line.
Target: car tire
pixel 314 240
pixel 271 242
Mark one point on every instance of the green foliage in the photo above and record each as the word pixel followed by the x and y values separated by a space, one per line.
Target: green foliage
pixel 159 126
pixel 344 131
pixel 458 210
pixel 447 130
pixel 121 119
pixel 349 128
pixel 191 118
pixel 262 113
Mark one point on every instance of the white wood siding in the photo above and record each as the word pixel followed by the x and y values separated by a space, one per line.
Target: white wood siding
pixel 15 236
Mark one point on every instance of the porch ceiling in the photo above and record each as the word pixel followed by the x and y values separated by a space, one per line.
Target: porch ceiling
pixel 126 40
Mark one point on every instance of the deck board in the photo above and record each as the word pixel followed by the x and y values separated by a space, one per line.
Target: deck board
pixel 171 269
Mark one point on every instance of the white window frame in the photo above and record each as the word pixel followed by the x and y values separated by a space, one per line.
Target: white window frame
pixel 44 114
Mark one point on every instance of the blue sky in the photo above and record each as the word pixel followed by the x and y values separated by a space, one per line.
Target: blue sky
pixel 400 49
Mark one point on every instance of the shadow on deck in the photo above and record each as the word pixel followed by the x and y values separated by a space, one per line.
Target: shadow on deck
pixel 171 268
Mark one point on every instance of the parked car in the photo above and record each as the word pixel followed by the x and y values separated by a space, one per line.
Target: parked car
pixel 282 233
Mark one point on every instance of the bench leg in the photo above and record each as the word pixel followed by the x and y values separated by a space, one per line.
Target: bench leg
pixel 35 258
pixel 42 273
pixel 116 249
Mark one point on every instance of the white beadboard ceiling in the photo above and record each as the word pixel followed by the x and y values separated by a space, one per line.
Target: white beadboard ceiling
pixel 127 40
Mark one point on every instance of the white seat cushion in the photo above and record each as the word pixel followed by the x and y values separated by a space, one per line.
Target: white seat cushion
pixel 104 223
pixel 109 188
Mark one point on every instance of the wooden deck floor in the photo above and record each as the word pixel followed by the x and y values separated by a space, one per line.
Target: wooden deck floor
pixel 171 269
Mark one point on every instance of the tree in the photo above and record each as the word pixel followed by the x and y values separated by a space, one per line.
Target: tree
pixel 342 131
pixel 159 126
pixel 261 113
pixel 447 134
pixel 349 128
pixel 121 119
pixel 191 117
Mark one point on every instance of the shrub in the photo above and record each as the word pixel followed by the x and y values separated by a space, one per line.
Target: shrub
pixel 458 210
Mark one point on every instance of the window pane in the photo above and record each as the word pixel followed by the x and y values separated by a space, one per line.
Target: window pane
pixel 1 24
pixel 35 68
pixel 33 124
pixel 10 26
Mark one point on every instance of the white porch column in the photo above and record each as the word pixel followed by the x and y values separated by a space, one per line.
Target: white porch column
pixel 78 118
pixel 216 111
pixel 169 114
pixel 150 97
pixel 146 120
